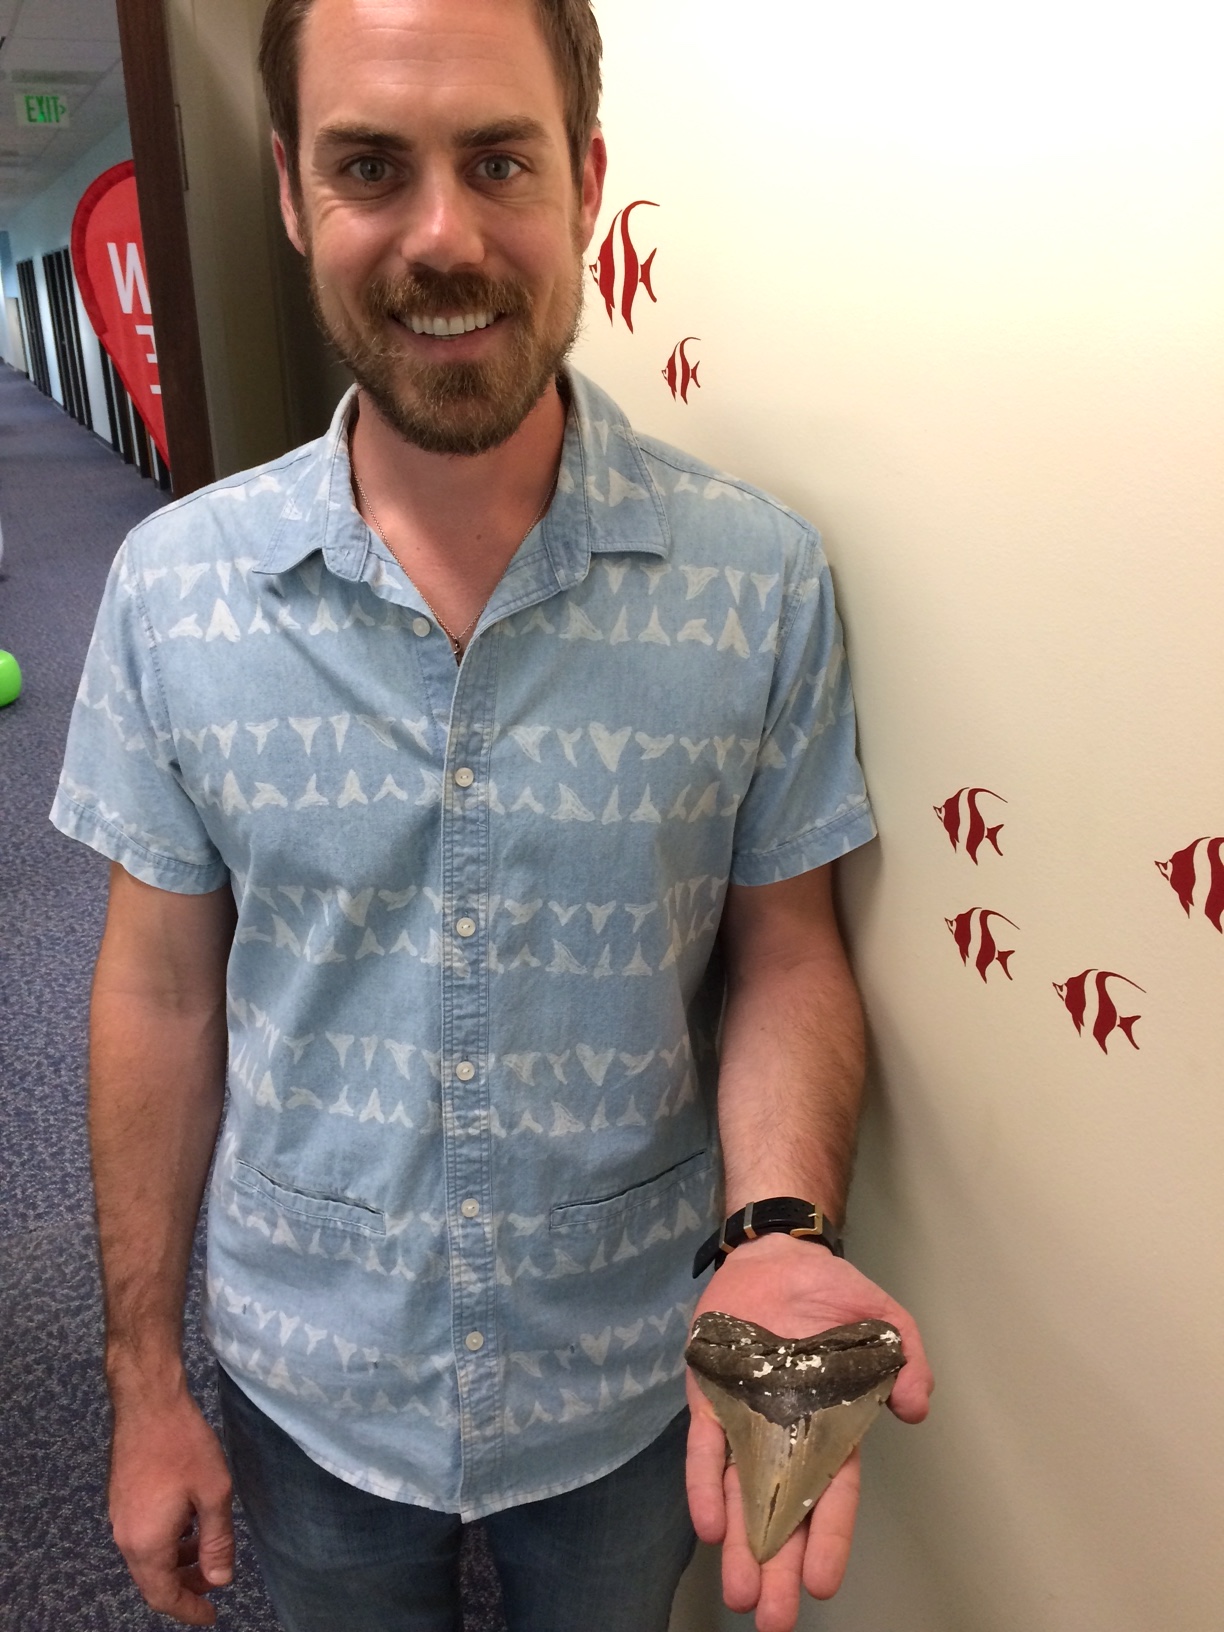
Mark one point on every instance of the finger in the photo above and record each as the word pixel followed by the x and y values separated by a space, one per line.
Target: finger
pixel 778 1608
pixel 706 1462
pixel 741 1574
pixel 192 1581
pixel 173 1592
pixel 831 1531
pixel 216 1540
pixel 911 1393
pixel 155 1562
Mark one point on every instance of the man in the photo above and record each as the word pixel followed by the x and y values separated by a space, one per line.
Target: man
pixel 468 757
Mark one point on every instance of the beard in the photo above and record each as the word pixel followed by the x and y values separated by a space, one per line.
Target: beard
pixel 452 407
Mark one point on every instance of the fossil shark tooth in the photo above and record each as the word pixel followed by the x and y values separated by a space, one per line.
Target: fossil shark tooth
pixel 793 1409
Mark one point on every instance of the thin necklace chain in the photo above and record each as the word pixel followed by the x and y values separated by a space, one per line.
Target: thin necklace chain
pixel 456 640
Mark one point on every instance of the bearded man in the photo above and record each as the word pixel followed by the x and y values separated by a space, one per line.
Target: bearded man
pixel 471 778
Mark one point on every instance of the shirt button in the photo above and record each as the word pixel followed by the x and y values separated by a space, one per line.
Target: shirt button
pixel 465 1070
pixel 474 1341
pixel 465 927
pixel 421 626
pixel 464 777
pixel 470 1208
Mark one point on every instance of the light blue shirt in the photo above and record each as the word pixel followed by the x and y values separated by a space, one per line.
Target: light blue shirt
pixel 470 1145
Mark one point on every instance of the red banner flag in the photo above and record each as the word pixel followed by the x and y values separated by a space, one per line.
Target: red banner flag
pixel 108 259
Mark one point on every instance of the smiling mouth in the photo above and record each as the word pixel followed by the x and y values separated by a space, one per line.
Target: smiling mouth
pixel 446 327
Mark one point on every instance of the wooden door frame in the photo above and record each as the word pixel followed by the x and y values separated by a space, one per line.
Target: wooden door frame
pixel 153 121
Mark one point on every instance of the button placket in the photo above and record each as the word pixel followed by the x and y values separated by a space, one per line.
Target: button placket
pixel 466 1118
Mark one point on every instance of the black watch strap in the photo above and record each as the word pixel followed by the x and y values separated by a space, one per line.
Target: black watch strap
pixel 778 1215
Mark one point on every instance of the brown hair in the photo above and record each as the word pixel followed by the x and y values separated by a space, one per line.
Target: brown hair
pixel 570 33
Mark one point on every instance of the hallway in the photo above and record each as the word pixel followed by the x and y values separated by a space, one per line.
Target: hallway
pixel 66 502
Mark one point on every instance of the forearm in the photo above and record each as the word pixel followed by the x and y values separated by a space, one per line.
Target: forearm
pixel 789 1087
pixel 791 1070
pixel 156 1088
pixel 157 1075
pixel 157 1084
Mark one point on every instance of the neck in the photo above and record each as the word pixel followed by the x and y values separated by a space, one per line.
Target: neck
pixel 453 522
pixel 473 496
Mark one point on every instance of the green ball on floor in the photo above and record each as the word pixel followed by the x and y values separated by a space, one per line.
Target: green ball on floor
pixel 10 679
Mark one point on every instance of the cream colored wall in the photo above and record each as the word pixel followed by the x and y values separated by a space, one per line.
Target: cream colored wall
pixel 957 273
pixel 268 379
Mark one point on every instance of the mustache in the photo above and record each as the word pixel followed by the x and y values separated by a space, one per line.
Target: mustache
pixel 425 293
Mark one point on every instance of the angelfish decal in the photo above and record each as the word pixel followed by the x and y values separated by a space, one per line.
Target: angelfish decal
pixel 1106 1019
pixel 961 812
pixel 972 928
pixel 1190 867
pixel 680 373
pixel 635 274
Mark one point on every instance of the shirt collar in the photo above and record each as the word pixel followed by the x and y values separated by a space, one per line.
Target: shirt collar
pixel 606 501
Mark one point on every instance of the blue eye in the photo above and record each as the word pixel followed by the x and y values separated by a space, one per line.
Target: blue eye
pixel 370 170
pixel 498 167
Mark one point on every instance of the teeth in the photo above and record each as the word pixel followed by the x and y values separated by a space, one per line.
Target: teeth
pixel 446 326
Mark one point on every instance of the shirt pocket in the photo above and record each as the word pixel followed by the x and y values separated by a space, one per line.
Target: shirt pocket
pixel 312 1207
pixel 607 1212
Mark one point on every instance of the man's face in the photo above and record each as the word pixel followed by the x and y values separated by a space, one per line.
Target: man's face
pixel 437 193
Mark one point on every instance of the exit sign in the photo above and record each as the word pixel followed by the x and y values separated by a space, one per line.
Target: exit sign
pixel 41 109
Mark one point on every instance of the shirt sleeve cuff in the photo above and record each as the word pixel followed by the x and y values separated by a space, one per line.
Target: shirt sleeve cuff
pixel 150 866
pixel 819 845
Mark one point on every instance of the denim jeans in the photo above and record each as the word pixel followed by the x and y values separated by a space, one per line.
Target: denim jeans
pixel 337 1559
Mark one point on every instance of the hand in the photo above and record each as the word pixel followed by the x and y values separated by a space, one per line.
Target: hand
pixel 794 1289
pixel 170 1507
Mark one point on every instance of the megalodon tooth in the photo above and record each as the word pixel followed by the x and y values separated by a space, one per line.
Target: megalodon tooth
pixel 793 1409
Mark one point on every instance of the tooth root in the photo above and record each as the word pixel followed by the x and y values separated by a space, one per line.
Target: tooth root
pixel 792 1410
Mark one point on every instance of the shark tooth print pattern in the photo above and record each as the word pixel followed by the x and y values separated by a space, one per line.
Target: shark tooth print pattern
pixel 468 1151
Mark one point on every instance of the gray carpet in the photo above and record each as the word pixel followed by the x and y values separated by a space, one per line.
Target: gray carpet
pixel 65 503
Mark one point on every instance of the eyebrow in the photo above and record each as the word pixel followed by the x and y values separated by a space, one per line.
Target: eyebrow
pixel 494 134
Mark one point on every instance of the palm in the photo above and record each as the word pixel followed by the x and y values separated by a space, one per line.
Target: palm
pixel 794 1290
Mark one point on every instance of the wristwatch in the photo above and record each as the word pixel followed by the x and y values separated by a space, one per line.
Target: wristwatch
pixel 779 1215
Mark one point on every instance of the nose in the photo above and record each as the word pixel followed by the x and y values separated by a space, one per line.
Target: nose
pixel 443 230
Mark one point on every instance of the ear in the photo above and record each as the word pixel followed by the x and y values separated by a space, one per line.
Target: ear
pixel 594 169
pixel 288 199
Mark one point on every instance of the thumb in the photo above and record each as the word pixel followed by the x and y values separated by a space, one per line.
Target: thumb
pixel 216 1543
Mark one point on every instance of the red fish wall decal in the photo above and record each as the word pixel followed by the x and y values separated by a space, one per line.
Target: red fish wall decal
pixel 634 273
pixel 1191 868
pixel 961 817
pixel 1105 1017
pixel 680 373
pixel 972 929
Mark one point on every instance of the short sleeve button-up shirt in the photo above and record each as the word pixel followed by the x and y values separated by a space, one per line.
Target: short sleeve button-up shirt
pixel 470 1142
